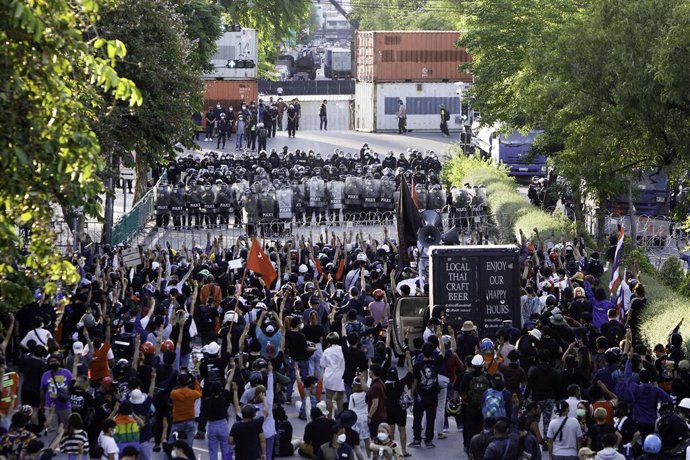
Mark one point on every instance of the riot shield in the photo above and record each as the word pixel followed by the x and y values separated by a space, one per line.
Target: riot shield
pixel 436 199
pixel 387 193
pixel 177 201
pixel 479 198
pixel 460 198
pixel 224 199
pixel 163 198
pixel 284 198
pixel 335 191
pixel 267 204
pixel 372 193
pixel 422 197
pixel 354 187
pixel 298 197
pixel 250 208
pixel 317 192
pixel 208 199
pixel 193 198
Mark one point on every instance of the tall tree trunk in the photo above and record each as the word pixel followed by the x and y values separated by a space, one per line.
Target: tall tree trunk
pixel 632 214
pixel 141 170
pixel 601 220
pixel 578 209
pixel 110 180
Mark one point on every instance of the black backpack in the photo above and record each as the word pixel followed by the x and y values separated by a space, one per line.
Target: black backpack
pixel 283 444
pixel 263 133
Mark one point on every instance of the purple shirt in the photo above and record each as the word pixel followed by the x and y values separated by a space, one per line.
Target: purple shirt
pixel 50 381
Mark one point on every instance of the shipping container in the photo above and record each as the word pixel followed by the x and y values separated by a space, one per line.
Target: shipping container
pixel 398 56
pixel 377 103
pixel 339 109
pixel 236 57
pixel 229 93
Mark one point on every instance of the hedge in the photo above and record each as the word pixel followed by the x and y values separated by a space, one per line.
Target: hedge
pixel 510 209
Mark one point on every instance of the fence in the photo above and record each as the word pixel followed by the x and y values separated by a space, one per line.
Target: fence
pixel 474 227
pixel 134 221
pixel 307 87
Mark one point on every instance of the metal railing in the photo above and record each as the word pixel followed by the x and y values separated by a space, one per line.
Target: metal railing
pixel 134 221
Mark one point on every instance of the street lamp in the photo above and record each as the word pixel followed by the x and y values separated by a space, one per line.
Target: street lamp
pixel 466 120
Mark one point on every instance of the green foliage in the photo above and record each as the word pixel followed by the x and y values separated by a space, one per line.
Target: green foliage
pixel 638 258
pixel 684 288
pixel 671 272
pixel 405 14
pixel 606 80
pixel 203 27
pixel 276 21
pixel 52 82
pixel 513 213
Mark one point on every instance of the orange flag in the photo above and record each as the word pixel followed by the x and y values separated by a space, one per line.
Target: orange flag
pixel 258 262
pixel 414 194
pixel 319 270
pixel 341 270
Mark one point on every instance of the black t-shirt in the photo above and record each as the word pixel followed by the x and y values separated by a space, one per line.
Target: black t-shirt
pixel 245 435
pixel 216 407
pixel 318 432
pixel 426 375
pixel 296 345
pixel 213 370
pixel 354 359
pixel 82 403
pixel 314 334
pixel 33 369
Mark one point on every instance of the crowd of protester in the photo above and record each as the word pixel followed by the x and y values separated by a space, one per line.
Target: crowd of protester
pixel 189 346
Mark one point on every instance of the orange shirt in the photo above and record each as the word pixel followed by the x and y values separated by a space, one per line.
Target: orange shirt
pixel 99 363
pixel 183 402
pixel 491 364
pixel 211 291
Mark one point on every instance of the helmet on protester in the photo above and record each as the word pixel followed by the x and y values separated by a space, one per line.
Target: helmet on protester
pixel 147 348
pixel 486 345
pixel 652 444
pixel 168 345
pixel 453 407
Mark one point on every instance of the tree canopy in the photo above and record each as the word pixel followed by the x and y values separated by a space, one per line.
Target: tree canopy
pixel 406 14
pixel 56 68
pixel 607 80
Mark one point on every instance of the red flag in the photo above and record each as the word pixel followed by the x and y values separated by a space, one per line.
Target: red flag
pixel 319 270
pixel 341 270
pixel 414 194
pixel 258 262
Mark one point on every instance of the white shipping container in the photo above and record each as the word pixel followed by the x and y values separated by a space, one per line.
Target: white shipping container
pixel 339 109
pixel 377 103
pixel 233 46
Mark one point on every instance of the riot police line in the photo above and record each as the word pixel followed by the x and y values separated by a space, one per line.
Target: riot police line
pixel 278 190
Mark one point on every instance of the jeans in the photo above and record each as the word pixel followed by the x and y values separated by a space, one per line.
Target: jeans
pixel 315 362
pixel 303 409
pixel 209 130
pixel 146 450
pixel 546 413
pixel 323 122
pixel 217 437
pixel 424 406
pixel 441 405
pixel 270 442
pixel 240 139
pixel 184 360
pixel 303 372
pixel 188 426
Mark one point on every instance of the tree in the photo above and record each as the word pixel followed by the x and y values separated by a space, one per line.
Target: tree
pixel 52 80
pixel 170 44
pixel 276 22
pixel 405 14
pixel 599 77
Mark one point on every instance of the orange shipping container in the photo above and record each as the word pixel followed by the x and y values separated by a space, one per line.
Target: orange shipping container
pixel 230 93
pixel 413 56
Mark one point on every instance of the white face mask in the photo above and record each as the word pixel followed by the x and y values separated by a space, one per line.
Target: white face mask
pixel 342 438
pixel 382 437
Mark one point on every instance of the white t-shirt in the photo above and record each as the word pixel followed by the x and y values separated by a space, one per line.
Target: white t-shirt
pixel 333 363
pixel 39 335
pixel 109 446
pixel 565 444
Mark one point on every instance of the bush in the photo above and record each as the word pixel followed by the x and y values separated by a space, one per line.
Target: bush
pixel 671 272
pixel 684 288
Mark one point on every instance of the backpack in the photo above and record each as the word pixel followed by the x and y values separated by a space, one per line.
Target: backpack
pixel 594 268
pixel 493 405
pixel 447 117
pixel 263 133
pixel 283 445
pixel 428 382
pixel 205 316
pixel 478 386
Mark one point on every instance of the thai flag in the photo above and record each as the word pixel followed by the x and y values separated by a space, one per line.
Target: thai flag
pixel 615 282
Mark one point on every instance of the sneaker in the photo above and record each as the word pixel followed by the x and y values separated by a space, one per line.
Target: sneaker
pixel 200 435
pixel 415 444
pixel 441 436
pixel 445 430
pixel 157 448
pixel 429 445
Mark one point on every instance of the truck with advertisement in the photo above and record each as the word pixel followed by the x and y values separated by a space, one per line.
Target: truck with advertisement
pixel 471 283
pixel 512 149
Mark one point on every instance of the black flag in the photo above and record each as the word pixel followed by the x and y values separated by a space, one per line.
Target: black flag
pixel 408 223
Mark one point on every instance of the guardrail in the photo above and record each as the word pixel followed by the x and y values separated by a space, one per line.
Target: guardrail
pixel 134 221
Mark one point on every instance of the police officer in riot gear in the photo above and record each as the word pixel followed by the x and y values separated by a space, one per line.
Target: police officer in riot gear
pixel 163 192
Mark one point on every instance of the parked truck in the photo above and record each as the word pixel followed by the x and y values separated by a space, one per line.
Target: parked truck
pixel 338 63
pixel 512 150
pixel 306 65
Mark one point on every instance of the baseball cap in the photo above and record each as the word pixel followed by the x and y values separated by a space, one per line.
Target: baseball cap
pixel 77 348
pixel 212 348
pixel 478 360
